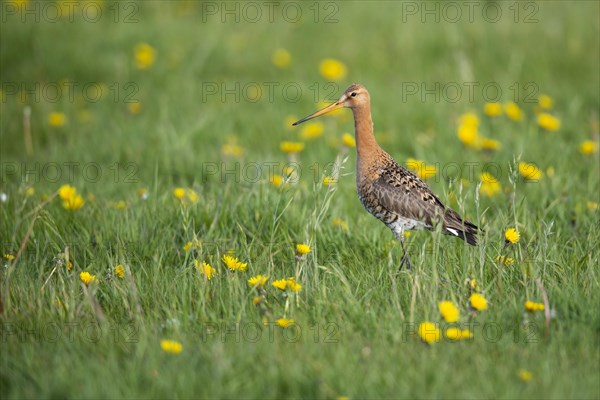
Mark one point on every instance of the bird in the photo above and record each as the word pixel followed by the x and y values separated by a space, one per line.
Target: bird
pixel 386 189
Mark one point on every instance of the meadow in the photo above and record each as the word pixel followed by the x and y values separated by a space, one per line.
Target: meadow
pixel 166 232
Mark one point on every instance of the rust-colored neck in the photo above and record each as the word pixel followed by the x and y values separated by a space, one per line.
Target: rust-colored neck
pixel 363 130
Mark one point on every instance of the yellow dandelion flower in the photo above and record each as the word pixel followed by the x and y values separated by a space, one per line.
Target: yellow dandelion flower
pixel 340 223
pixel 469 119
pixel 30 191
pixel 332 69
pixel 87 278
pixel 468 135
pixel 206 269
pixel 329 181
pixel 348 140
pixel 119 271
pixel 505 260
pixel 454 333
pixel 548 122
pixel 179 193
pixel 533 306
pixel 171 346
pixel 489 144
pixel 66 191
pixel 492 109
pixel 187 246
pixel 191 195
pixel 73 203
pixel 545 102
pixel 281 58
pixel 478 302
pixel 232 149
pixel 258 280
pixel 588 147
pixel 57 119
pixel 302 249
pixel 257 300
pixel 120 205
pixel 135 107
pixel 429 332
pixel 284 322
pixel 513 111
pixel 291 147
pixel 422 170
pixel 293 285
pixel 530 171
pixel 312 130
pixel 592 205
pixel 9 257
pixel 276 180
pixel 145 56
pixel 511 236
pixel 489 184
pixel 234 264
pixel 280 284
pixel 449 311
pixel 524 375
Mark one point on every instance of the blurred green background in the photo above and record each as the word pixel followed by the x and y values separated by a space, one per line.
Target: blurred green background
pixel 130 100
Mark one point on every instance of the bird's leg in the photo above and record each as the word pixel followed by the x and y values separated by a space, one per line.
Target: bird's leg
pixel 405 258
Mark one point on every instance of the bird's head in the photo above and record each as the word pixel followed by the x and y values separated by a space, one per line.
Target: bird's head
pixel 354 97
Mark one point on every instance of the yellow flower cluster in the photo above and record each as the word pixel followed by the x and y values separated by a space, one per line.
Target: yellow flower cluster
pixel 171 346
pixel 421 169
pixel 312 130
pixel 87 278
pixel 119 271
pixel 454 333
pixel 348 140
pixel 489 184
pixel 511 236
pixel 302 249
pixel 284 322
pixel 144 55
pixel 281 58
pixel 505 260
pixel 530 171
pixel 429 332
pixel 332 69
pixel 71 200
pixel 185 195
pixel 289 283
pixel 291 147
pixel 533 306
pixel 513 111
pixel 234 264
pixel 205 269
pixel 548 122
pixel 492 109
pixel 588 147
pixel 449 311
pixel 478 302
pixel 329 181
pixel 258 280
pixel 57 119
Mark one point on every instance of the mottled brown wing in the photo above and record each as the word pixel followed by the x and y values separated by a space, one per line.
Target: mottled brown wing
pixel 401 192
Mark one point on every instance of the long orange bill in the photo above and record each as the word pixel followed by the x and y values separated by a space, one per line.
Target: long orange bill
pixel 325 110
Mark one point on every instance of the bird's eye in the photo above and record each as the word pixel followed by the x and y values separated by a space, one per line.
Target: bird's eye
pixel 353 94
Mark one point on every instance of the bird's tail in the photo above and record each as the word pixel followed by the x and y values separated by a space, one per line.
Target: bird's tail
pixel 456 226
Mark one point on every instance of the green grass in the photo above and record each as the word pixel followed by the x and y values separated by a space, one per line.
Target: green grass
pixel 356 315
